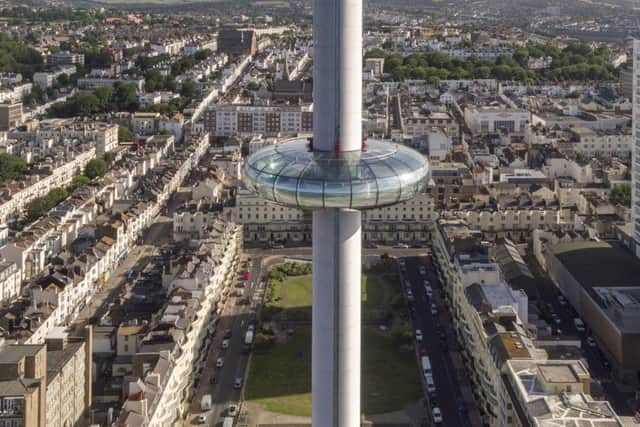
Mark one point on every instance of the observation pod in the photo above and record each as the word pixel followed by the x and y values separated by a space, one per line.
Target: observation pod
pixel 290 174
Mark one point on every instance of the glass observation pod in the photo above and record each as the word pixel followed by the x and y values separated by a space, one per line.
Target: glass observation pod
pixel 382 175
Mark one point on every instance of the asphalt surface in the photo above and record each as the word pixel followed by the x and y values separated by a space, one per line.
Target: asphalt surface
pixel 235 317
pixel 437 337
pixel 595 360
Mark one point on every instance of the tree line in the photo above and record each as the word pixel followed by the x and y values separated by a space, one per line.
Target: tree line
pixel 575 62
pixel 119 97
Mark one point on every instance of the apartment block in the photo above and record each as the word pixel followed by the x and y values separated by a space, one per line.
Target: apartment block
pixel 65 58
pixel 485 120
pixel 590 143
pixel 49 78
pixel 10 115
pixel 555 392
pixel 228 120
pixel 172 350
pixel 514 382
pixel 237 42
pixel 409 222
pixel 46 385
pixel 10 281
pixel 600 281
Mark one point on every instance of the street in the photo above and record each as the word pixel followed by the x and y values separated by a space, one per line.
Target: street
pixel 437 337
pixel 235 317
pixel 550 303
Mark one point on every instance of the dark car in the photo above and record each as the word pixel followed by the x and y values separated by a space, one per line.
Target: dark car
pixel 227 333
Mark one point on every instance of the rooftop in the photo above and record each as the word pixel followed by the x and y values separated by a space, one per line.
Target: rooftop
pixel 599 264
pixel 555 393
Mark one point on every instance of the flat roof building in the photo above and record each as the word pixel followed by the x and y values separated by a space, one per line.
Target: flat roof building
pixel 547 393
pixel 602 283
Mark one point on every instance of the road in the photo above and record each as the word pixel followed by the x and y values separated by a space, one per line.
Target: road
pixel 236 318
pixel 305 251
pixel 138 257
pixel 436 340
pixel 596 362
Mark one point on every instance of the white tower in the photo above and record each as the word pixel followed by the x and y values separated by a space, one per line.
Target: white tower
pixel 635 154
pixel 336 174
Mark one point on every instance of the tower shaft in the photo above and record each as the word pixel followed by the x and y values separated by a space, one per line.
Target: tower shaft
pixel 337 246
pixel 337 74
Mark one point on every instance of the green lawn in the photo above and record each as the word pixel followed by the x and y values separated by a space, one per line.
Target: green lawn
pixel 280 377
pixel 297 292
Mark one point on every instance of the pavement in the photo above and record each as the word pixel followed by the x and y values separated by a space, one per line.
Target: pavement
pixel 438 343
pixel 620 397
pixel 236 318
pixel 138 256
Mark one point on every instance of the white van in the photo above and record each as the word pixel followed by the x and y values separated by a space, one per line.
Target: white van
pixel 431 386
pixel 227 422
pixel 426 365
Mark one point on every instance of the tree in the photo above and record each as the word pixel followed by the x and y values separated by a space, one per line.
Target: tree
pixel 125 96
pixel 98 58
pixel 388 44
pixel 621 195
pixel 253 86
pixel 502 72
pixel 188 89
pixel 125 134
pixel 95 168
pixel 77 182
pixel 108 158
pixel 203 54
pixel 63 79
pixel 521 56
pixel 41 205
pixel 11 167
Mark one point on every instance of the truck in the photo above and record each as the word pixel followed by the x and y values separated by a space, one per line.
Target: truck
pixel 205 403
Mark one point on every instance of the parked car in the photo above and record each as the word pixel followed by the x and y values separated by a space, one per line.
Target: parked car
pixel 418 335
pixel 437 415
pixel 434 309
pixel 591 342
pixel 232 411
pixel 219 362
pixel 423 271
pixel 237 383
pixel 429 291
pixel 225 343
pixel 431 386
pixel 401 246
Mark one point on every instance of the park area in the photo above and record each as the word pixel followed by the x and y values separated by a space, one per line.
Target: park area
pixel 280 372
